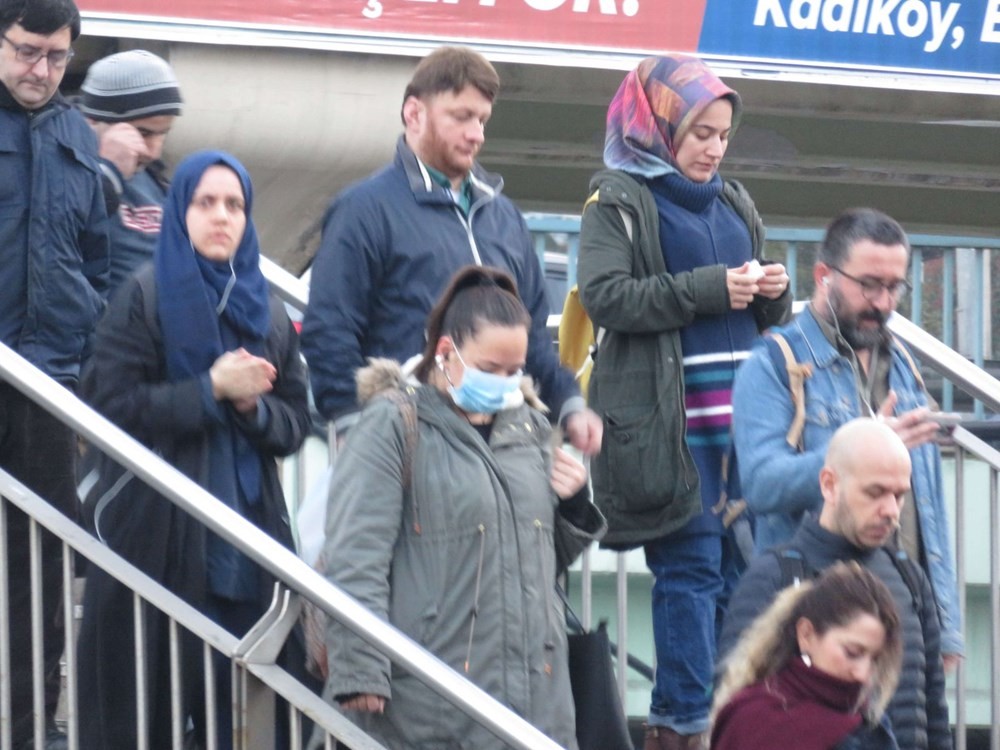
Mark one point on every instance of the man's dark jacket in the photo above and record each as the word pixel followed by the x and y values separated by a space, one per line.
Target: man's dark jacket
pixel 53 235
pixel 390 244
pixel 918 711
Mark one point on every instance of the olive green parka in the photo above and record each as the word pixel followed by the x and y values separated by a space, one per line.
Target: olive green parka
pixel 644 479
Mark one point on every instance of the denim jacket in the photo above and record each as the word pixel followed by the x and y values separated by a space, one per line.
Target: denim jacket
pixel 780 483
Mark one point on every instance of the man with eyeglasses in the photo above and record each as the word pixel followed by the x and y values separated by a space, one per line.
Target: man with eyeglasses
pixel 53 273
pixel 851 366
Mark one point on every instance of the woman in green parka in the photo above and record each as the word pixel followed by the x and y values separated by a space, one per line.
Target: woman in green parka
pixel 455 533
pixel 671 268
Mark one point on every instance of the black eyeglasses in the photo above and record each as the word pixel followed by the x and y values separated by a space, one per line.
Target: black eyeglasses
pixel 872 288
pixel 57 58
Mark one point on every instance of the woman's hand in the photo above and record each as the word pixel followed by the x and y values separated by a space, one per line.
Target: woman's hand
pixel 240 377
pixel 365 702
pixel 568 475
pixel 774 282
pixel 742 286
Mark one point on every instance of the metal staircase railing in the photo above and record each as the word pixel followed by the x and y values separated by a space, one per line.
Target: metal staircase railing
pixel 257 678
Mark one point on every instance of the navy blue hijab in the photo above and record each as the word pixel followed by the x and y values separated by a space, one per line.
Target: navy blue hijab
pixel 206 308
pixel 192 286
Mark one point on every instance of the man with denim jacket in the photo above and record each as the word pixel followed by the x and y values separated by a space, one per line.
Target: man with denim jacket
pixel 856 369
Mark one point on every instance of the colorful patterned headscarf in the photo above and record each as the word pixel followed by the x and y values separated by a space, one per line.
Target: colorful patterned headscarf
pixel 654 107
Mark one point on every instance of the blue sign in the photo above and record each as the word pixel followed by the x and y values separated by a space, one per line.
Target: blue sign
pixel 946 36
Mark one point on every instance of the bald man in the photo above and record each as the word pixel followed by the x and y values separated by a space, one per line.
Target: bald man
pixel 864 482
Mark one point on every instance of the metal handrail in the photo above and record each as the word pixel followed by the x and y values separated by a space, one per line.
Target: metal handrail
pixel 945 360
pixel 282 563
pixel 289 288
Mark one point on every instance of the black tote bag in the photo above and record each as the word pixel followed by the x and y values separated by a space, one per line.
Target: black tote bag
pixel 600 716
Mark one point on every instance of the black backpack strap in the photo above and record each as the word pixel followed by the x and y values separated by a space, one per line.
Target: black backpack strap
pixel 147 283
pixel 792 564
pixel 795 569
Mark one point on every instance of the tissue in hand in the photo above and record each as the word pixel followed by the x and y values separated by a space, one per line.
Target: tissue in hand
pixel 755 270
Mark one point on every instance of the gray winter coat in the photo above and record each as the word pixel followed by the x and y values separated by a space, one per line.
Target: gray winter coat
pixel 478 530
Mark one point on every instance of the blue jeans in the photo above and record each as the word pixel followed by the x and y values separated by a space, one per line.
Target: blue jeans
pixel 693 574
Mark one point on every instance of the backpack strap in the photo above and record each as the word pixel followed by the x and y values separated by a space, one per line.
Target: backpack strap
pixel 901 347
pixel 599 332
pixel 795 569
pixel 795 375
pixel 792 564
pixel 626 216
pixel 315 620
pixel 406 401
pixel 147 283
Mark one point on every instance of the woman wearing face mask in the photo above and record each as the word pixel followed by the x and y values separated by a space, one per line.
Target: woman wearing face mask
pixel 456 536
pixel 815 671
pixel 670 269
pixel 198 361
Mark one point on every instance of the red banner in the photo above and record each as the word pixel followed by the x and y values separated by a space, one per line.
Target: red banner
pixel 652 25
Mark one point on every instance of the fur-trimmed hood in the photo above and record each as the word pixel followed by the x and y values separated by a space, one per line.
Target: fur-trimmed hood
pixel 383 374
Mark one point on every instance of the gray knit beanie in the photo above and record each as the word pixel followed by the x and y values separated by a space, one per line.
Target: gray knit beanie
pixel 130 86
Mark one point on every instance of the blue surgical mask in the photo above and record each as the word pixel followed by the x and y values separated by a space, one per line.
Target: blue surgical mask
pixel 483 392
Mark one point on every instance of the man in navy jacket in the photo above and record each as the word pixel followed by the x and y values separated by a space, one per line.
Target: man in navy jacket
pixel 53 272
pixel 392 241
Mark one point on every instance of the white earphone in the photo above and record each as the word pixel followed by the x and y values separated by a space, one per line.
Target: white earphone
pixel 826 281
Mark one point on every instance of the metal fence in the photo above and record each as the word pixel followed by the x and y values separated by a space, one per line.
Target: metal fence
pixel 257 678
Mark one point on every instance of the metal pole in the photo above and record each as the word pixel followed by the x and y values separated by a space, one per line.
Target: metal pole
pixel 792 266
pixel 948 323
pixel 917 274
pixel 141 684
pixel 622 628
pixel 69 640
pixel 961 718
pixel 994 614
pixel 980 314
pixel 176 682
pixel 5 697
pixel 37 652
pixel 211 712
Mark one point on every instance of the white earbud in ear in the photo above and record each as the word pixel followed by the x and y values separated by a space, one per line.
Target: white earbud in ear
pixel 826 281
pixel 439 359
